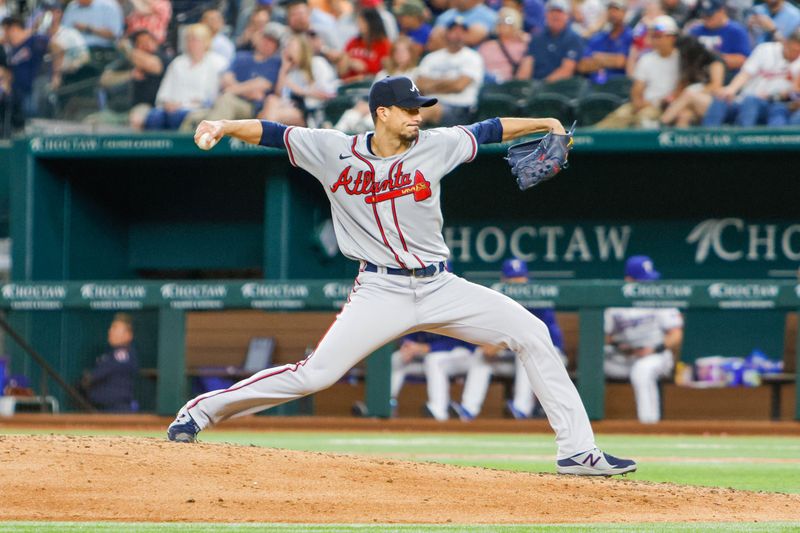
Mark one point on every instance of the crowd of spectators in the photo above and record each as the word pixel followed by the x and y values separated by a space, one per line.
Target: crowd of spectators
pixel 167 64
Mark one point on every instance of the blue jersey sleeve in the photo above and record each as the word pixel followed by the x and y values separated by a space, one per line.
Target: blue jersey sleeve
pixel 487 131
pixel 272 134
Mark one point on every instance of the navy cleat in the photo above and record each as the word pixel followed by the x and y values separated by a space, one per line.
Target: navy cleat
pixel 515 413
pixel 594 463
pixel 183 428
pixel 461 412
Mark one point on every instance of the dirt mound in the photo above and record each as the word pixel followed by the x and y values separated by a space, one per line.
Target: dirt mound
pixel 138 479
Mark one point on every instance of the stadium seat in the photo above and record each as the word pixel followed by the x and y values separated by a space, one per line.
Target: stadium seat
pixel 572 88
pixel 550 105
pixel 336 106
pixel 496 105
pixel 619 86
pixel 593 108
pixel 357 87
pixel 519 89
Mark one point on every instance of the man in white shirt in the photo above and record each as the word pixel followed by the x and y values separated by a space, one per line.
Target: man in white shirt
pixel 764 87
pixel 454 75
pixel 655 80
pixel 100 21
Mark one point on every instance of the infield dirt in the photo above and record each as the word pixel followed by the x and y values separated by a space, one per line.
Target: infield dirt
pixel 75 478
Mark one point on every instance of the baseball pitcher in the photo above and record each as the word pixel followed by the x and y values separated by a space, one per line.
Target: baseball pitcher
pixel 384 189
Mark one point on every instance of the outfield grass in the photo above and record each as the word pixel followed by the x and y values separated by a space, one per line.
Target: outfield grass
pixel 751 463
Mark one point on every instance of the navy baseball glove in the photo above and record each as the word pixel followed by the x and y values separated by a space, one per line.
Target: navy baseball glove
pixel 533 162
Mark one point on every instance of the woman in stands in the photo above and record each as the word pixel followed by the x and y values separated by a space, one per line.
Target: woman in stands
pixel 364 53
pixel 190 83
pixel 305 82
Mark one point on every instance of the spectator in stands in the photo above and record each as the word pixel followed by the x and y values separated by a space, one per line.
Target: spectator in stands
pixel 678 10
pixel 4 12
pixel 655 80
pixel 259 18
pixel 764 84
pixel 454 75
pixel 109 385
pixel 478 19
pixel 68 49
pixel 532 12
pixel 606 53
pixel 412 17
pixel 137 73
pixel 553 54
pixel 389 21
pixel 774 20
pixel 503 56
pixel 100 21
pixel 151 15
pixel 721 35
pixel 403 60
pixel 24 55
pixel 305 82
pixel 299 20
pixel 191 81
pixel 248 81
pixel 642 20
pixel 641 343
pixel 220 43
pixel 364 54
pixel 523 404
pixel 5 89
pixel 702 75
pixel 588 17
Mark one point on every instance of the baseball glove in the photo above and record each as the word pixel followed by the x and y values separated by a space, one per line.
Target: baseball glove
pixel 533 162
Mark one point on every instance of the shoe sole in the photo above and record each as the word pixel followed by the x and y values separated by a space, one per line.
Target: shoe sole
pixel 183 437
pixel 589 471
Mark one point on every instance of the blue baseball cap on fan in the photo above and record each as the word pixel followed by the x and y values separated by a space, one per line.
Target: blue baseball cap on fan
pixel 640 268
pixel 709 7
pixel 399 91
pixel 515 268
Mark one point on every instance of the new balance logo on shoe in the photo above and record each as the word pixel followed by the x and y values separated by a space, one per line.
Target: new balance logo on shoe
pixel 592 460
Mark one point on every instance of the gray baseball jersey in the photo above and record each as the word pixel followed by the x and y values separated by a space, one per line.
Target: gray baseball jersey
pixel 640 327
pixel 385 210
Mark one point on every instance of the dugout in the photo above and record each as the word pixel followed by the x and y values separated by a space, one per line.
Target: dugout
pixel 704 204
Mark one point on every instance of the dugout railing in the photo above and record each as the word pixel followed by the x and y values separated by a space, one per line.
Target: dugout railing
pixel 171 301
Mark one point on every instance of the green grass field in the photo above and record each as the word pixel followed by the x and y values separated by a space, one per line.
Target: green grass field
pixel 769 464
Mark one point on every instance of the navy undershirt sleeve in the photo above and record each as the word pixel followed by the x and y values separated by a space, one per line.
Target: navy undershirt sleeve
pixel 272 134
pixel 487 131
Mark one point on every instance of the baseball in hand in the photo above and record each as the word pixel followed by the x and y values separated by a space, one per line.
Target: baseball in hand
pixel 206 141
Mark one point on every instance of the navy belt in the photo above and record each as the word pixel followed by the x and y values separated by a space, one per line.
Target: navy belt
pixel 426 272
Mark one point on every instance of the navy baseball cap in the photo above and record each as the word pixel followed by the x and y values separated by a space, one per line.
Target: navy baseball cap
pixel 709 7
pixel 515 268
pixel 399 91
pixel 640 268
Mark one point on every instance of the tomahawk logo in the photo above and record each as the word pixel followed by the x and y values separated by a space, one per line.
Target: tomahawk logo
pixel 731 239
pixel 708 236
pixel 591 459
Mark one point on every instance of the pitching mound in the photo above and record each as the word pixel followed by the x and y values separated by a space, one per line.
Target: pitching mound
pixel 138 479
